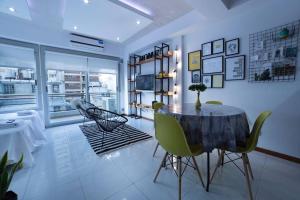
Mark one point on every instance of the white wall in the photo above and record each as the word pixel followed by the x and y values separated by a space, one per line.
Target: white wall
pixel 281 131
pixel 23 30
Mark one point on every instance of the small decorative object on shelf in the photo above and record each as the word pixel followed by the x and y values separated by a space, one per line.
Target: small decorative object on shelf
pixel 199 88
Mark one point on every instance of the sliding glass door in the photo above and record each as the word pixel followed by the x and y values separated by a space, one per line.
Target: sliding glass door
pixel 18 76
pixel 66 81
pixel 102 83
pixel 71 75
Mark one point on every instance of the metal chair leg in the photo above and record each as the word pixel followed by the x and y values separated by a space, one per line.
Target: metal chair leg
pixel 249 167
pixel 179 177
pixel 218 165
pixel 198 171
pixel 244 157
pixel 222 157
pixel 155 149
pixel 161 165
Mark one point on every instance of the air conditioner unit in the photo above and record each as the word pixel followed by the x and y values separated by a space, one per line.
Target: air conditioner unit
pixel 86 42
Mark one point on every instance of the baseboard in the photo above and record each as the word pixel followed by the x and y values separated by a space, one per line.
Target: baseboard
pixel 278 155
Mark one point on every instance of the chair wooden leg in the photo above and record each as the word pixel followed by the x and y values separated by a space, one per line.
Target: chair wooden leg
pixel 198 171
pixel 220 160
pixel 244 157
pixel 161 165
pixel 155 149
pixel 249 167
pixel 179 176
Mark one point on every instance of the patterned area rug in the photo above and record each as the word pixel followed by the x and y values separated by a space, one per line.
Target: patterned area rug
pixel 114 140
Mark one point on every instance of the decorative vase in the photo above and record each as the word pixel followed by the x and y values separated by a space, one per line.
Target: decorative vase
pixel 198 104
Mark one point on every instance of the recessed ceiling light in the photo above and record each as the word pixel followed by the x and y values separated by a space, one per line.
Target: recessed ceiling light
pixel 138 22
pixel 118 38
pixel 86 1
pixel 75 27
pixel 12 9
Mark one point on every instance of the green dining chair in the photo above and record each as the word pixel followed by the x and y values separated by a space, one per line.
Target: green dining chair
pixel 214 102
pixel 156 106
pixel 251 144
pixel 171 137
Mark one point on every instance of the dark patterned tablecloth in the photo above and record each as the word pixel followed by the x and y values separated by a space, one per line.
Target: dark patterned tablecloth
pixel 214 126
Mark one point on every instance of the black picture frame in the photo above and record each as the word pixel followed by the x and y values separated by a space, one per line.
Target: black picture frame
pixel 196 72
pixel 210 58
pixel 192 68
pixel 212 80
pixel 223 46
pixel 209 84
pixel 243 68
pixel 210 49
pixel 238 47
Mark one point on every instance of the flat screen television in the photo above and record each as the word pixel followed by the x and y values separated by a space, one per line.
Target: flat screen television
pixel 145 82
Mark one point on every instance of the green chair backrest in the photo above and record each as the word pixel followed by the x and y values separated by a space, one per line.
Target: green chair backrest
pixel 214 102
pixel 170 135
pixel 157 106
pixel 252 141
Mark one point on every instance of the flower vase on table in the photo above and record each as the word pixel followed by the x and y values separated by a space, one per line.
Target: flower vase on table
pixel 199 88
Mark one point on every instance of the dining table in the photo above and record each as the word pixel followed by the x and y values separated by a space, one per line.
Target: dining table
pixel 212 126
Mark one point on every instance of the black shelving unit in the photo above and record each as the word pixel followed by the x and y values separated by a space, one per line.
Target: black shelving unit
pixel 161 60
pixel 135 97
pixel 164 88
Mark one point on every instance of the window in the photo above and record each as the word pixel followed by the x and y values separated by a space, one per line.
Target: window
pixel 18 85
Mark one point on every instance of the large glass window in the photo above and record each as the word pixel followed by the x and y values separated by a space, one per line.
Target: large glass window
pixel 66 80
pixel 103 90
pixel 103 83
pixel 72 77
pixel 18 86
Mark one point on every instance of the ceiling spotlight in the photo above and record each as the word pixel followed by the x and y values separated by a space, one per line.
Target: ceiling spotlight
pixel 118 38
pixel 75 27
pixel 12 9
pixel 138 22
pixel 86 1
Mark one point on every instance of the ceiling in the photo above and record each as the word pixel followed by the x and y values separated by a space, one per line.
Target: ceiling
pixel 114 20
pixel 103 19
pixel 17 8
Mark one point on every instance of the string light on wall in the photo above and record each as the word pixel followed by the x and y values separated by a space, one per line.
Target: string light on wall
pixel 175 71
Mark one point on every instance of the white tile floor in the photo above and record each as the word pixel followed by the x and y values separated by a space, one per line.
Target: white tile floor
pixel 67 168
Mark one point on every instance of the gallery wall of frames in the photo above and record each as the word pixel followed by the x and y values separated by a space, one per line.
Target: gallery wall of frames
pixel 272 57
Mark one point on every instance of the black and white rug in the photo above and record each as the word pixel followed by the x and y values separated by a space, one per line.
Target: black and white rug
pixel 113 140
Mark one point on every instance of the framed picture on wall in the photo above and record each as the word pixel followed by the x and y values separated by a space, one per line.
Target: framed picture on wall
pixel 194 60
pixel 217 81
pixel 206 49
pixel 196 76
pixel 218 46
pixel 212 65
pixel 232 47
pixel 206 79
pixel 235 68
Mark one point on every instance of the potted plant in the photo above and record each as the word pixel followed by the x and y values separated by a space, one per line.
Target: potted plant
pixel 199 88
pixel 6 174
